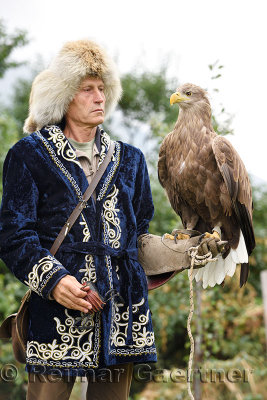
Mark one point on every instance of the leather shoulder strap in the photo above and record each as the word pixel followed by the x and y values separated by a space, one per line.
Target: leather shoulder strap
pixel 86 196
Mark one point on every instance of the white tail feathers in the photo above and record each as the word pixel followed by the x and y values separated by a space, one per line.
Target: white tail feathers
pixel 214 272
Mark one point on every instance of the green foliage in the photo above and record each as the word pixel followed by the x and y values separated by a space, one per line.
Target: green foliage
pixel 165 219
pixel 11 292
pixel 8 137
pixel 260 210
pixel 8 43
pixel 20 103
pixel 258 259
pixel 144 95
pixel 232 321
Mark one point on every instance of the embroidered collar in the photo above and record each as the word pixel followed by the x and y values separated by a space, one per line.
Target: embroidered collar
pixel 64 156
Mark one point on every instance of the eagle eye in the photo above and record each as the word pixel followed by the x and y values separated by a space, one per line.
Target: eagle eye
pixel 188 93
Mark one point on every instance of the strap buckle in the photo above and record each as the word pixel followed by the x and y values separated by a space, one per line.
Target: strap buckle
pixel 67 224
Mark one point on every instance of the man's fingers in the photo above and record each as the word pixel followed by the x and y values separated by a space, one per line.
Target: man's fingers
pixel 68 284
pixel 78 303
pixel 77 292
pixel 73 306
pixel 76 289
pixel 70 293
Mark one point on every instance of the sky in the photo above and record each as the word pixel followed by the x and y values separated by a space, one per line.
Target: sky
pixel 190 35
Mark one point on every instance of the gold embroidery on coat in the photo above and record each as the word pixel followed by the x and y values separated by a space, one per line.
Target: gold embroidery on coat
pixel 89 270
pixel 42 272
pixel 112 221
pixel 116 162
pixel 141 336
pixel 105 143
pixel 79 345
pixel 59 164
pixel 62 144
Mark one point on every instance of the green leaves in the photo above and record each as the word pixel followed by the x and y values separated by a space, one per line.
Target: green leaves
pixel 8 137
pixel 147 94
pixel 8 43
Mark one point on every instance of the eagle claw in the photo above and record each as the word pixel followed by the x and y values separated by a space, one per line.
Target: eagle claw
pixel 213 245
pixel 180 234
pixel 214 235
pixel 176 235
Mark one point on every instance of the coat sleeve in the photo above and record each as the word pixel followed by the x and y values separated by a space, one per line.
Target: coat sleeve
pixel 20 246
pixel 142 202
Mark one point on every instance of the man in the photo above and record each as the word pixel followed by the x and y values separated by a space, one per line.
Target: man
pixel 45 175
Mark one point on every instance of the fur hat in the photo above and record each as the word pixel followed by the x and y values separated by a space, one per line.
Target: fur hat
pixel 54 88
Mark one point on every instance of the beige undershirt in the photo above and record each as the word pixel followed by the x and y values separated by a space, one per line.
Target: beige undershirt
pixel 88 156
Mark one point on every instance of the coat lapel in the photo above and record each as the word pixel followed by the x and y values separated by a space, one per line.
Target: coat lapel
pixel 106 182
pixel 64 157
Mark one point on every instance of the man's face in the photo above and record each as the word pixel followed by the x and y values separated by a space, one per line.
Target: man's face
pixel 88 106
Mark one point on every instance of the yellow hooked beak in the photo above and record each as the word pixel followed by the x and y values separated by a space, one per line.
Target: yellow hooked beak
pixel 177 98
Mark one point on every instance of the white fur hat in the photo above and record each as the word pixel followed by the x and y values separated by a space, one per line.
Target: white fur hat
pixel 54 88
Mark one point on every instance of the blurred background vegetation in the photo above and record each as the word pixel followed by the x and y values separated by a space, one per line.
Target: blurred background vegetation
pixel 228 322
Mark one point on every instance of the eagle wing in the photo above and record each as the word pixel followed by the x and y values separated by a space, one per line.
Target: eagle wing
pixel 164 175
pixel 167 175
pixel 162 168
pixel 238 186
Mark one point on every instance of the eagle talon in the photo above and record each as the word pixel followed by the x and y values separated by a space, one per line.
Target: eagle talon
pixel 176 236
pixel 180 236
pixel 168 236
pixel 215 235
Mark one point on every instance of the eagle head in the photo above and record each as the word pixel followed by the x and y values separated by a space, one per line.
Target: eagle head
pixel 189 95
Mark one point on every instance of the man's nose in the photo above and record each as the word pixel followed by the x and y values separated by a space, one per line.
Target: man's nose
pixel 99 96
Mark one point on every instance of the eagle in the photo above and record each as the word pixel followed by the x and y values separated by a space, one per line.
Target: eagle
pixel 207 185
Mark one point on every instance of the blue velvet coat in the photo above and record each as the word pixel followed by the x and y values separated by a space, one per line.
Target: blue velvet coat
pixel 42 183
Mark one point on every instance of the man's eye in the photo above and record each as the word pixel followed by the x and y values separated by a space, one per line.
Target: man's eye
pixel 188 93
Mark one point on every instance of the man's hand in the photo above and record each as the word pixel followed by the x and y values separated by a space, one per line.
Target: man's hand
pixel 68 292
